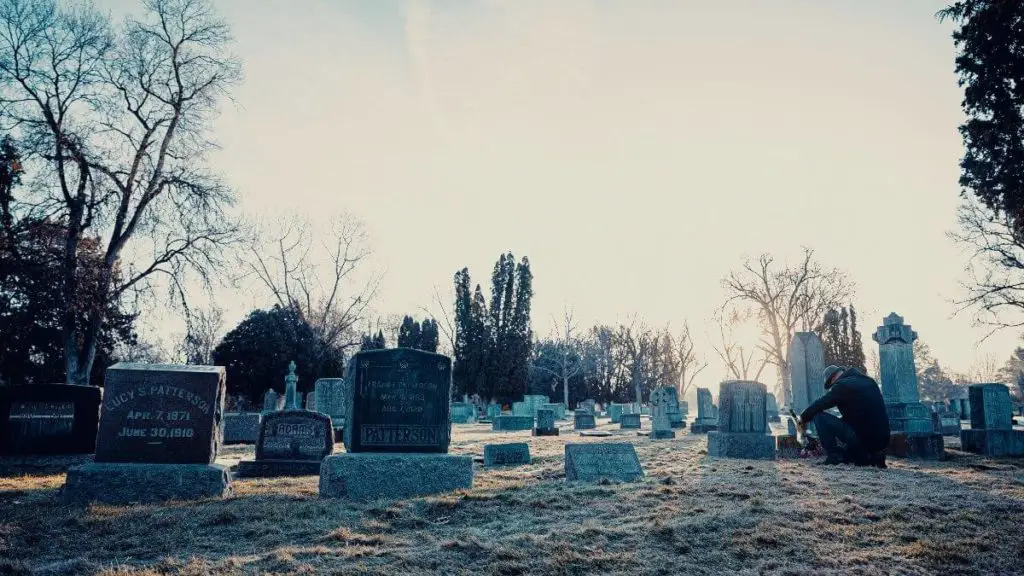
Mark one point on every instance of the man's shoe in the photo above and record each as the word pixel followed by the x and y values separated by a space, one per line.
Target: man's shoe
pixel 831 461
pixel 878 460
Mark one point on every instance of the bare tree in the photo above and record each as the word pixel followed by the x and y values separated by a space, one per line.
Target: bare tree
pixel 785 299
pixel 320 282
pixel 689 365
pixel 205 327
pixel 985 369
pixel 569 356
pixel 739 362
pixel 637 344
pixel 115 126
pixel 995 268
pixel 444 315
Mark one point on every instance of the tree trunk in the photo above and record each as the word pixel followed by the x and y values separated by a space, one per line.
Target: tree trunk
pixel 70 292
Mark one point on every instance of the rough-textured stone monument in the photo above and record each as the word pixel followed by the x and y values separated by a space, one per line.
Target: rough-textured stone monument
pixel 584 420
pixel 664 402
pixel 806 363
pixel 291 443
pixel 742 422
pixel 159 433
pixel 992 432
pixel 512 454
pixel 589 405
pixel 49 419
pixel 913 434
pixel 397 429
pixel 705 422
pixel 330 394
pixel 242 427
pixel 269 401
pixel 593 462
pixel 545 423
pixel 947 423
pixel 558 407
pixel 511 423
pixel 630 421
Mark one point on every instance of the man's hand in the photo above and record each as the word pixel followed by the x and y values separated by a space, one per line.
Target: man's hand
pixel 801 426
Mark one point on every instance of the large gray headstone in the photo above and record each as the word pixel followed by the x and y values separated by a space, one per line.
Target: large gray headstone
pixel 896 360
pixel 49 419
pixel 806 364
pixel 664 402
pixel 584 420
pixel 161 414
pixel 742 422
pixel 330 394
pixel 991 408
pixel 514 453
pixel 592 462
pixel 706 420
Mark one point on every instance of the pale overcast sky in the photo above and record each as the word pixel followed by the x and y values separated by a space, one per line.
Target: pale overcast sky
pixel 634 150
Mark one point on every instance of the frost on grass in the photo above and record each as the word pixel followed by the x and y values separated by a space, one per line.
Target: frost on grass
pixel 690 514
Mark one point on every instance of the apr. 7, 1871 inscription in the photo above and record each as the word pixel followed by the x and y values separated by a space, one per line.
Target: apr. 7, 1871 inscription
pixel 399 402
pixel 161 413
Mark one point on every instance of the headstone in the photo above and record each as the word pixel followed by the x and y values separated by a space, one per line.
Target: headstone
pixel 311 401
pixel 506 454
pixel 493 411
pixel 397 429
pixel 545 423
pixel 907 416
pixel 773 409
pixel 521 409
pixel 616 410
pixel 630 421
pixel 594 462
pixel 684 407
pixel 742 423
pixel 510 423
pixel 462 412
pixel 330 394
pixel 535 402
pixel 269 401
pixel 590 406
pixel 291 443
pixel 558 407
pixel 806 363
pixel 595 433
pixel 947 423
pixel 705 421
pixel 159 433
pixel 49 419
pixel 584 420
pixel 664 402
pixel 992 432
pixel 242 427
pixel 291 390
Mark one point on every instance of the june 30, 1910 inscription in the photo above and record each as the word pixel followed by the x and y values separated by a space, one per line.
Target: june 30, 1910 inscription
pixel 399 402
pixel 161 413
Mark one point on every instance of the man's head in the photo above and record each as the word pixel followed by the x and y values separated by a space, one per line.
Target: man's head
pixel 831 374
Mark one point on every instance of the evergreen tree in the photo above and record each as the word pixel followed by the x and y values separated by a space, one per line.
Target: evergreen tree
pixel 857 358
pixel 405 333
pixel 379 342
pixel 429 336
pixel 840 339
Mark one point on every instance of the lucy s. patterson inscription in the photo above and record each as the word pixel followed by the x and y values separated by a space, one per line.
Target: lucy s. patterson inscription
pixel 399 402
pixel 161 413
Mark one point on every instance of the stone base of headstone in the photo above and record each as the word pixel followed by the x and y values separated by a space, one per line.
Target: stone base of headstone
pixel 370 476
pixel 756 446
pixel 678 425
pixel 108 483
pixel 242 428
pixel 484 421
pixel 699 427
pixel 512 423
pixel 662 434
pixel 911 418
pixel 511 454
pixel 270 468
pixel 947 424
pixel 584 420
pixel 787 446
pixel 917 446
pixel 545 431
pixel 993 442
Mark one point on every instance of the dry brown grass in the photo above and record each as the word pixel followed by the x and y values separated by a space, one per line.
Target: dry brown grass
pixel 690 515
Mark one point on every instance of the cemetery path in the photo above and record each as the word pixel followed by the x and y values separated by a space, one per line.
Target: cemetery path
pixel 689 515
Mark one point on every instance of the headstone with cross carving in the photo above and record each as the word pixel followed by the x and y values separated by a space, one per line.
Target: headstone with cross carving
pixel 663 402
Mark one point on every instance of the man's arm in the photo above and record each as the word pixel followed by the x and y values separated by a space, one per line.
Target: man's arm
pixel 829 400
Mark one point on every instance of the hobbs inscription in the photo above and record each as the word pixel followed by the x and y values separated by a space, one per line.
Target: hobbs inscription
pixel 399 402
pixel 161 413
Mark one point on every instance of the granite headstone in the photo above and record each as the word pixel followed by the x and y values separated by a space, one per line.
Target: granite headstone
pixel 513 454
pixel 291 443
pixel 49 419
pixel 594 462
pixel 991 431
pixel 742 422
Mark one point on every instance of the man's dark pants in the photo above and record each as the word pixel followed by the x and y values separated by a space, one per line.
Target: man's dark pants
pixel 839 440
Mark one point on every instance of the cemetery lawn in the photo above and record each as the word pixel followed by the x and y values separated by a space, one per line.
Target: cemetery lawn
pixel 689 515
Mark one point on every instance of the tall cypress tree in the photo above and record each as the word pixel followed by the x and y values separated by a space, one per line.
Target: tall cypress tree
pixel 429 336
pixel 406 333
pixel 857 358
pixel 522 333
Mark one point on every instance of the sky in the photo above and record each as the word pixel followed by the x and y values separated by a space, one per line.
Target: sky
pixel 635 151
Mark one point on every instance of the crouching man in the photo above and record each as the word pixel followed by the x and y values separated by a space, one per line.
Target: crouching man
pixel 861 436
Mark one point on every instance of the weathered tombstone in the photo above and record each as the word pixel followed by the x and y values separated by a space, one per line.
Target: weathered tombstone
pixel 310 401
pixel 397 429
pixel 584 420
pixel 992 432
pixel 590 406
pixel 330 394
pixel 616 410
pixel 159 433
pixel 907 416
pixel 684 407
pixel 462 412
pixel 49 419
pixel 242 427
pixel 269 401
pixel 742 422
pixel 292 401
pixel 705 422
pixel 664 402
pixel 545 423
pixel 534 402
pixel 521 409
pixel 291 443
pixel 773 409
pixel 594 462
pixel 630 421
pixel 558 407
pixel 806 363
pixel 510 423
pixel 947 423
pixel 513 454
pixel 493 411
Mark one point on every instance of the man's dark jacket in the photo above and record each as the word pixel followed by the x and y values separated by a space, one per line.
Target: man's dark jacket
pixel 860 402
